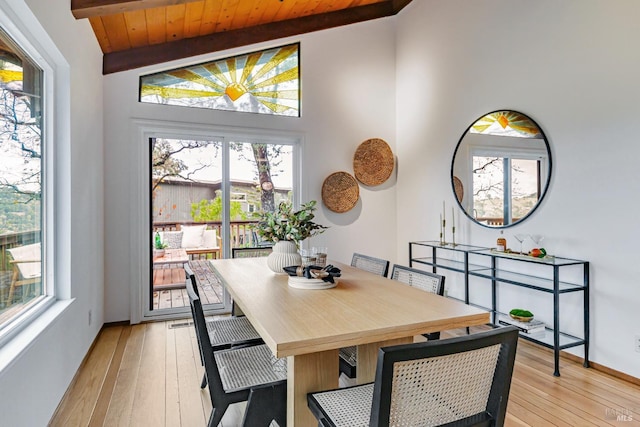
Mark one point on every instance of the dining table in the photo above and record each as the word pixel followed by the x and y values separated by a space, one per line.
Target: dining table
pixel 309 326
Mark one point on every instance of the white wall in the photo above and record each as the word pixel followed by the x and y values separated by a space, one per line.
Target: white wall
pixel 348 96
pixel 32 386
pixel 566 64
pixel 570 66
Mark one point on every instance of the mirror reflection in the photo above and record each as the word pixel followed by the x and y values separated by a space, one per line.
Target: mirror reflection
pixel 501 168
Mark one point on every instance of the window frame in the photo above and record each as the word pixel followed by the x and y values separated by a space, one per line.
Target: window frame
pixel 507 155
pixel 19 23
pixel 139 197
pixel 229 78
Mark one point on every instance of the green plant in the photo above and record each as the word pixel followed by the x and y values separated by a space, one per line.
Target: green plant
pixel 157 242
pixel 211 210
pixel 521 313
pixel 286 224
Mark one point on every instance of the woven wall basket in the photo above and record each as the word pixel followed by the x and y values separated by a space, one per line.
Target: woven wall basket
pixel 373 162
pixel 458 188
pixel 340 192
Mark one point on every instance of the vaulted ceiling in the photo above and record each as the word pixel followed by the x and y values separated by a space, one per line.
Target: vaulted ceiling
pixel 137 33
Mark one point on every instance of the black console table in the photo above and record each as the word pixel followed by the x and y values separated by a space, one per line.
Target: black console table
pixel 504 268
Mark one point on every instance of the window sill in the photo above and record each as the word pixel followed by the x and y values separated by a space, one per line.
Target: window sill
pixel 16 344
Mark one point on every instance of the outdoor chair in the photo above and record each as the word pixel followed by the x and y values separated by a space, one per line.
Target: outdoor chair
pixel 27 268
pixel 460 381
pixel 250 374
pixel 427 281
pixel 348 355
pixel 224 332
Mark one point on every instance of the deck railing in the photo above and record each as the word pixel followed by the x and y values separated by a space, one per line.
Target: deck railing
pixel 494 221
pixel 241 233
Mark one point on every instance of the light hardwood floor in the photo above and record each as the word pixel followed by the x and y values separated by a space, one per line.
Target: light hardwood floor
pixel 149 375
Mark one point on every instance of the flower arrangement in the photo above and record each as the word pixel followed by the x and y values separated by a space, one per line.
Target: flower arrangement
pixel 286 224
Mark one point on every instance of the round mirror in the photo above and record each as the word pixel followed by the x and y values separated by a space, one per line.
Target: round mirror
pixel 501 168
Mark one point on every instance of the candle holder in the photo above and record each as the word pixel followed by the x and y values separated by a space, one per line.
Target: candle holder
pixel 453 236
pixel 443 234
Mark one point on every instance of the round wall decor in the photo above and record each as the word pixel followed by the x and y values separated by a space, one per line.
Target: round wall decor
pixel 458 188
pixel 373 162
pixel 340 192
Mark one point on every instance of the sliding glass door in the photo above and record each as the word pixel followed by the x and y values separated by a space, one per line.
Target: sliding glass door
pixel 204 195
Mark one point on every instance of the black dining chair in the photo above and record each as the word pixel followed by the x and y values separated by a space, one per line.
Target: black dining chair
pixel 242 374
pixel 425 280
pixel 223 332
pixel 251 252
pixel 371 264
pixel 247 252
pixel 462 381
pixel 379 266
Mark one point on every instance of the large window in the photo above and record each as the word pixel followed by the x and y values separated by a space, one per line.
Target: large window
pixel 21 181
pixel 264 82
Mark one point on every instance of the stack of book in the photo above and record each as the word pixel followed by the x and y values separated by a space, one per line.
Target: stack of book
pixel 533 327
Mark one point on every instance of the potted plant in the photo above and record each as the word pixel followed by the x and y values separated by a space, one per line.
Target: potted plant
pixel 158 246
pixel 287 227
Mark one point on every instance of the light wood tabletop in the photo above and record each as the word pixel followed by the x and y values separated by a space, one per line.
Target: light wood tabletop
pixel 309 326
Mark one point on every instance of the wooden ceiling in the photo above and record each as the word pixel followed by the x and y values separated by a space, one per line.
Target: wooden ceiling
pixel 137 33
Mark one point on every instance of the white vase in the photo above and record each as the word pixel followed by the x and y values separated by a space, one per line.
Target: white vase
pixel 284 254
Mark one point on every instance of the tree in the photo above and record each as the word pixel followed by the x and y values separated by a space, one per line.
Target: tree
pixel 165 164
pixel 267 158
pixel 211 210
pixel 20 144
pixel 261 156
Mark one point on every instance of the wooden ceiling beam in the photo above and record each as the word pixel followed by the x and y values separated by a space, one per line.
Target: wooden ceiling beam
pixel 398 5
pixel 156 54
pixel 93 8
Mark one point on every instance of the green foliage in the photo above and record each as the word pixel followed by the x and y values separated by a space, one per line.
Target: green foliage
pixel 287 224
pixel 521 313
pixel 18 212
pixel 211 210
pixel 157 242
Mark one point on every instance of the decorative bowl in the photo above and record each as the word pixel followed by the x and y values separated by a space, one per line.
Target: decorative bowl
pixel 521 318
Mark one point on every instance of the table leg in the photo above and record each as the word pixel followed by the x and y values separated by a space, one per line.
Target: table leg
pixel 368 358
pixel 308 373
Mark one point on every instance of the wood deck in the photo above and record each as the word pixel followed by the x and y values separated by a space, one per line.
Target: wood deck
pixel 169 290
